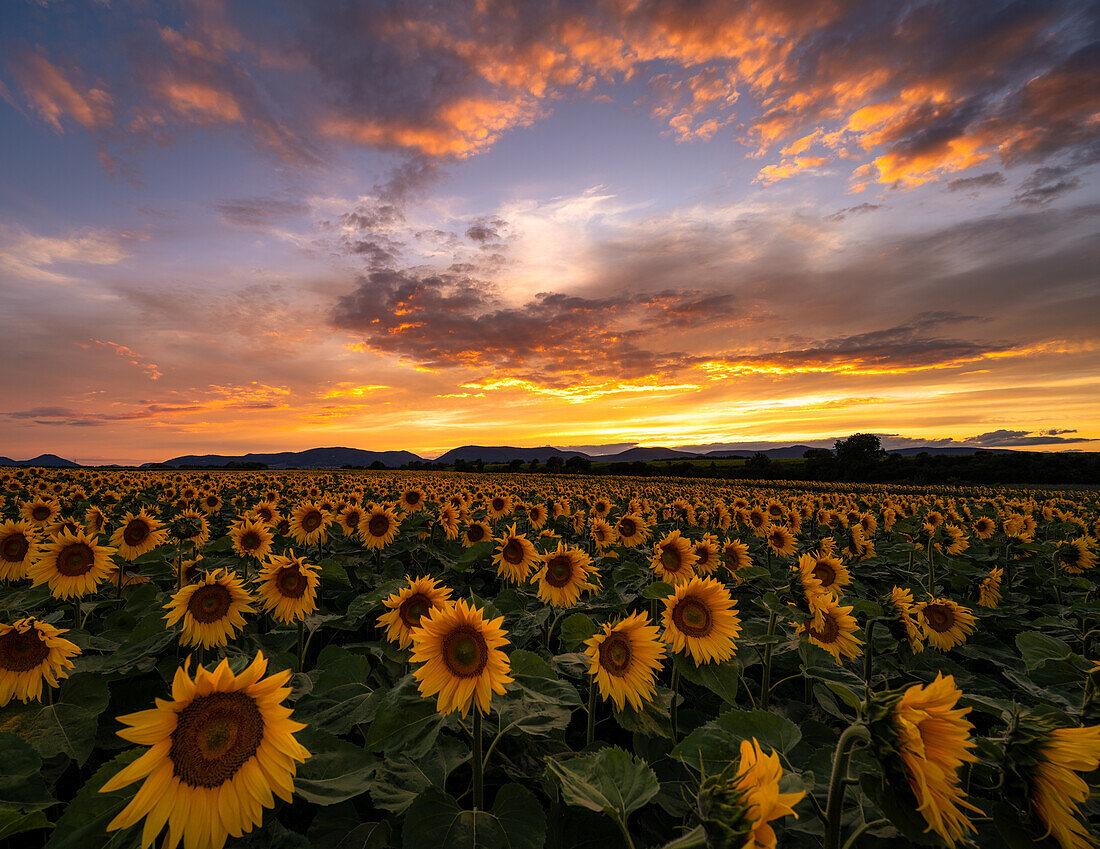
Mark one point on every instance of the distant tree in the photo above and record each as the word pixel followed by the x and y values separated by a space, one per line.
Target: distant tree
pixel 578 464
pixel 554 464
pixel 479 465
pixel 858 455
pixel 515 465
pixel 534 464
pixel 377 464
pixel 820 464
pixel 759 464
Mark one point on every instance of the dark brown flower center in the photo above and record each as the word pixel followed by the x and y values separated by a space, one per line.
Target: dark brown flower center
pixel 265 513
pixel 21 651
pixel 136 532
pixel 627 528
pixel 412 497
pixel 290 582
pixel 352 519
pixel 615 654
pixel 829 630
pixel 215 736
pixel 693 617
pixel 465 652
pixel 475 533
pixel 939 617
pixel 250 541
pixel 559 570
pixel 703 555
pixel 670 558
pixel 413 609
pixel 498 504
pixel 75 559
pixel 283 527
pixel 311 521
pixel 14 547
pixel 513 551
pixel 212 501
pixel 823 570
pixel 209 603
pixel 40 512
pixel 379 525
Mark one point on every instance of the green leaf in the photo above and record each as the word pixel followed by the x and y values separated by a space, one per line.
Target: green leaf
pixel 332 571
pixel 405 722
pixel 400 779
pixel 67 727
pixel 340 698
pixel 658 590
pixel 1037 648
pixel 711 747
pixel 609 781
pixel 339 827
pixel 694 839
pixel 722 679
pixel 901 812
pixel 336 771
pixel 21 786
pixel 435 820
pixel 12 822
pixel 1012 830
pixel 477 553
pixel 85 819
pixel 576 628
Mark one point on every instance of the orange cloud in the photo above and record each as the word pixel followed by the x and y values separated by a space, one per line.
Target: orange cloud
pixel 54 95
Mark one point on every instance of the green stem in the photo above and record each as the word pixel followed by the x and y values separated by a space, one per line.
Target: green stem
pixel 869 656
pixel 867 826
pixel 931 572
pixel 766 680
pixel 301 645
pixel 76 613
pixel 834 808
pixel 626 834
pixel 478 764
pixel 674 708
pixel 590 734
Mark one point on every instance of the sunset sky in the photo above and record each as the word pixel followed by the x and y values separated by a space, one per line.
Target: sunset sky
pixel 232 227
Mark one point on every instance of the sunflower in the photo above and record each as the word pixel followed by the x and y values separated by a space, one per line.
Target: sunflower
pixel 989 590
pixel 781 540
pixel 673 560
pixel 17 543
pixel 309 524
pixel 735 557
pixel 210 610
pixel 1075 555
pixel 499 506
pixel 461 657
pixel 448 520
pixel 476 532
pixel 378 527
pixel 624 659
pixel 267 511
pixel 138 534
pixel 563 576
pixel 706 554
pixel 210 503
pixel 901 600
pixel 219 750
pixel 983 527
pixel 251 539
pixel 40 512
pixel 832 626
pixel 701 619
pixel 191 527
pixel 632 530
pixel 832 575
pixel 514 556
pixel 536 515
pixel 602 534
pixel 32 652
pixel 931 736
pixel 945 623
pixel 857 546
pixel 72 564
pixel 409 605
pixel 1056 790
pixel 349 519
pixel 288 588
pixel 94 521
pixel 758 521
pixel 738 812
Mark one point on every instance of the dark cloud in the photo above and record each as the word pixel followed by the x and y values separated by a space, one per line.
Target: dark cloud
pixel 988 180
pixel 378 252
pixel 858 209
pixel 259 212
pixel 1012 438
pixel 485 230
pixel 1046 184
pixel 74 418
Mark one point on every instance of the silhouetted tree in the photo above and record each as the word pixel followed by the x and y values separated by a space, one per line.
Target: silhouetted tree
pixel 759 464
pixel 554 463
pixel 858 455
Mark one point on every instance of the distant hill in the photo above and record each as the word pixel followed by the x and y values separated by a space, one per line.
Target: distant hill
pixel 314 458
pixel 950 452
pixel 505 454
pixel 632 454
pixel 51 461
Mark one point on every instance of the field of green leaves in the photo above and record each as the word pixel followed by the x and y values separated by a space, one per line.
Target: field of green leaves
pixel 428 660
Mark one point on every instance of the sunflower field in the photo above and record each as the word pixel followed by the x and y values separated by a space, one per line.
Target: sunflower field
pixel 428 660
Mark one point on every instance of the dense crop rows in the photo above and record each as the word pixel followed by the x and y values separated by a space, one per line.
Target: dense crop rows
pixel 435 660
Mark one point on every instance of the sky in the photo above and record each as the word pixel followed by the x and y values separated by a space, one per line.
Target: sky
pixel 230 226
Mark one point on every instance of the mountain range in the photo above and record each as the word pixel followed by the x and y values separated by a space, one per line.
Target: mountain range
pixel 335 458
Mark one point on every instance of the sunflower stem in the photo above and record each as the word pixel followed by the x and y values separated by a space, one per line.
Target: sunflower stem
pixel 590 734
pixel 673 708
pixel 834 808
pixel 869 655
pixel 867 826
pixel 931 571
pixel 76 612
pixel 766 679
pixel 301 645
pixel 478 764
